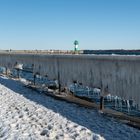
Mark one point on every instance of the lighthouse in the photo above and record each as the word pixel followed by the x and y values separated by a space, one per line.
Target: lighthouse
pixel 76 45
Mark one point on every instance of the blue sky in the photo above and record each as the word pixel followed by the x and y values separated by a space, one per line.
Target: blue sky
pixel 55 24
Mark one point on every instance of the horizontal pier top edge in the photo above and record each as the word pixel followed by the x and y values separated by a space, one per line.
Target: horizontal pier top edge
pixel 77 56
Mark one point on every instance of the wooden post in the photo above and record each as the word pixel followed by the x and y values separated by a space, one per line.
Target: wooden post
pixel 34 79
pixel 101 103
pixel 6 71
pixel 59 85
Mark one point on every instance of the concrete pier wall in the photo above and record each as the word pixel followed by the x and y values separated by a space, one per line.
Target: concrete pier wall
pixel 120 75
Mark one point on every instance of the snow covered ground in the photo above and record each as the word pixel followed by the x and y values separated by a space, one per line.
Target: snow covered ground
pixel 28 115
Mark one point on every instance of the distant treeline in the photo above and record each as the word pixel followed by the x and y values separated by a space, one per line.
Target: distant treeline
pixel 118 52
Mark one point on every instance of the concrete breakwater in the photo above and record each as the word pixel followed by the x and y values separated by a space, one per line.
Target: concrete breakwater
pixel 117 75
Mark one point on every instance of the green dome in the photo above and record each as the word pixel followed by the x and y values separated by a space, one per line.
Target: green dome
pixel 76 42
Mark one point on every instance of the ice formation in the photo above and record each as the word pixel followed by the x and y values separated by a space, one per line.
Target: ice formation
pixel 119 73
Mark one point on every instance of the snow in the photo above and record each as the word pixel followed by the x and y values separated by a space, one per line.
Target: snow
pixel 26 114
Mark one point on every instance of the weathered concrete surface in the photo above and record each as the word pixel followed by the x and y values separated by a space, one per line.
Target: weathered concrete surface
pixel 121 74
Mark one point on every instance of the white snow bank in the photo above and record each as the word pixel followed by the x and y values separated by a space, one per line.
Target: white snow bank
pixel 25 114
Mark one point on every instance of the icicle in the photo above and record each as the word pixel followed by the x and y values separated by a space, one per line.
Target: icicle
pixel 97 92
pixel 128 106
pixel 120 103
pixel 87 90
pixel 109 97
pixel 115 98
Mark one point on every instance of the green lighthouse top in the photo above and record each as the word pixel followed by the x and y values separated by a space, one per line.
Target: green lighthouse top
pixel 76 42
